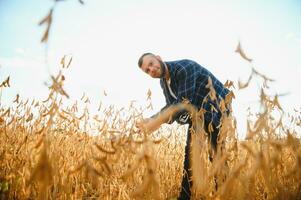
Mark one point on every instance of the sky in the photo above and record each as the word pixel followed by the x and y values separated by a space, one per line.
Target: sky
pixel 106 38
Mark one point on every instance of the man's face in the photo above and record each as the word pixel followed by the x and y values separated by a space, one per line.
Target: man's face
pixel 152 65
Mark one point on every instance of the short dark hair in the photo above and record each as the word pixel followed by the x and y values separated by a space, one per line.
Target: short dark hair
pixel 140 61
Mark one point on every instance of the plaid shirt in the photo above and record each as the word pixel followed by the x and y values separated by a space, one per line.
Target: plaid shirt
pixel 188 81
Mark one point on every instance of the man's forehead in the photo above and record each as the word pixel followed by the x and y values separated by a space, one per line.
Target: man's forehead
pixel 148 58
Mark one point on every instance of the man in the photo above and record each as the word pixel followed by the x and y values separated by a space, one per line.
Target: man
pixel 187 80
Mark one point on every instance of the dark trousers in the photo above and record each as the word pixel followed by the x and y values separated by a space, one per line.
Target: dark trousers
pixel 185 193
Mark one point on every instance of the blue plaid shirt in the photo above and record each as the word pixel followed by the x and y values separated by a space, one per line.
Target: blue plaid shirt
pixel 188 81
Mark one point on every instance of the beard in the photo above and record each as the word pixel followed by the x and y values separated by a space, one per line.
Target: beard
pixel 163 69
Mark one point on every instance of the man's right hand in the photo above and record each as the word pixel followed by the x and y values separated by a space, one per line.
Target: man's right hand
pixel 142 124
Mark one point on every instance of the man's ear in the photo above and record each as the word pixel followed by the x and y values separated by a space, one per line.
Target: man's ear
pixel 158 57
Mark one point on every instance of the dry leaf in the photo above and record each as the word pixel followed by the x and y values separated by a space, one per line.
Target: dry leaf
pixel 241 52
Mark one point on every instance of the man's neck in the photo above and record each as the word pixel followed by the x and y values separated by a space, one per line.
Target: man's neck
pixel 167 75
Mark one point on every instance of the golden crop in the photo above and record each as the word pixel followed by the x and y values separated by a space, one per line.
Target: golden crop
pixel 50 151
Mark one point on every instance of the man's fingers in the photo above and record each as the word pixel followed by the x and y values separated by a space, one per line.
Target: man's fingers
pixel 139 125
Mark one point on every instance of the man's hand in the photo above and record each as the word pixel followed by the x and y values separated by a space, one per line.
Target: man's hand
pixel 149 125
pixel 143 124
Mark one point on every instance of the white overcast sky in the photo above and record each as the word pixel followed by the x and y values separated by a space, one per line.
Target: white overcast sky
pixel 106 38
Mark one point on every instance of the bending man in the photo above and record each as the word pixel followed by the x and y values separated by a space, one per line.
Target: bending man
pixel 187 80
